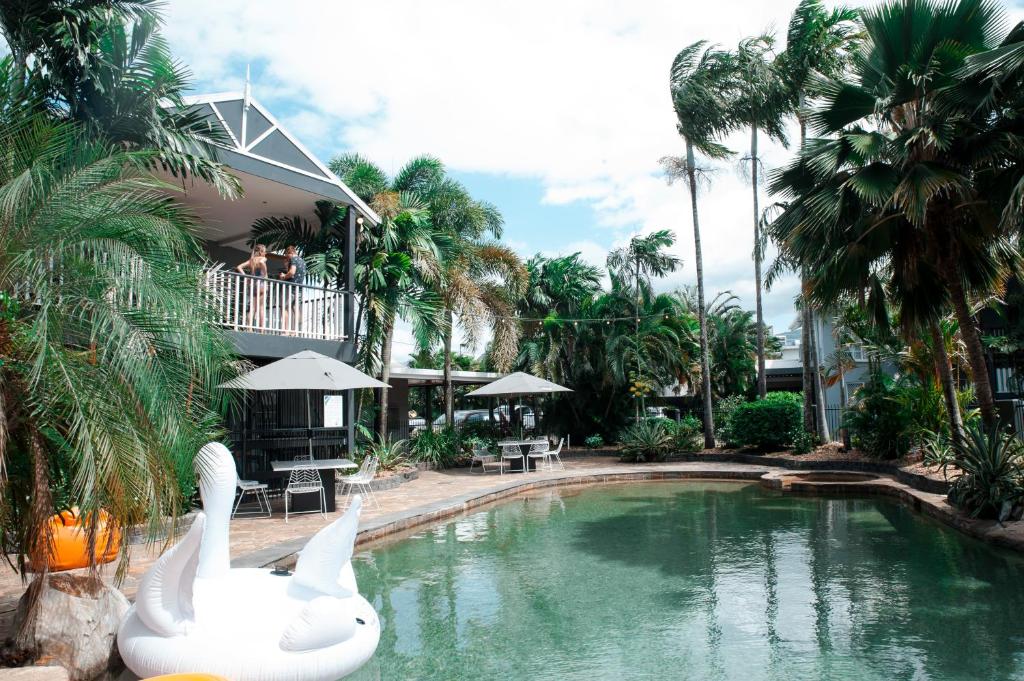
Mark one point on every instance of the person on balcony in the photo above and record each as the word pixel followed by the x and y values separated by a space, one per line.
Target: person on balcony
pixel 257 266
pixel 295 272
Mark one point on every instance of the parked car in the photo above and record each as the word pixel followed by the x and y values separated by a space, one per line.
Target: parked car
pixel 464 416
pixel 529 418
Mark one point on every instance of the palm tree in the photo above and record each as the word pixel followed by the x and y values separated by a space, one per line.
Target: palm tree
pixel 559 291
pixel 760 104
pixel 56 32
pixel 111 353
pixel 105 65
pixel 818 41
pixel 397 260
pixel 405 265
pixel 699 82
pixel 481 279
pixel 732 341
pixel 923 155
pixel 636 264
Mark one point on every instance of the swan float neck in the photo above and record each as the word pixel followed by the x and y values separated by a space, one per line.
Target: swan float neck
pixel 217 482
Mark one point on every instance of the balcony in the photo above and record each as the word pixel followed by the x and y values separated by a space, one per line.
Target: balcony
pixel 271 306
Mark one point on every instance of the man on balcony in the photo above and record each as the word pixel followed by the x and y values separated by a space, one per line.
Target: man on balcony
pixel 295 272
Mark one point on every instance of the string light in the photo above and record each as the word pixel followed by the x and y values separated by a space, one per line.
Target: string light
pixel 574 320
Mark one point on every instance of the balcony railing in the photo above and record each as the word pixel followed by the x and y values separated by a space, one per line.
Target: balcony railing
pixel 263 305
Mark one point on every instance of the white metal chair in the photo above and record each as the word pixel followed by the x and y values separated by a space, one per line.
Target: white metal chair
pixel 510 453
pixel 305 479
pixel 540 450
pixel 362 478
pixel 259 491
pixel 485 458
pixel 553 456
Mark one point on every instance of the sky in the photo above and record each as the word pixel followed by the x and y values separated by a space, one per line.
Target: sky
pixel 557 111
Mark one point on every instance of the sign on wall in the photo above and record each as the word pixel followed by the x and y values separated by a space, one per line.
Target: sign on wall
pixel 334 411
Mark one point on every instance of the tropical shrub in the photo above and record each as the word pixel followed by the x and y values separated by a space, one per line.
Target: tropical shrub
pixel 647 440
pixel 391 454
pixel 441 448
pixel 880 423
pixel 478 435
pixel 804 442
pixel 769 423
pixel 594 442
pixel 687 433
pixel 723 419
pixel 937 450
pixel 990 479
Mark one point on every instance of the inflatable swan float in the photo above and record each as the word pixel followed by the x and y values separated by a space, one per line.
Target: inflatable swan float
pixel 193 613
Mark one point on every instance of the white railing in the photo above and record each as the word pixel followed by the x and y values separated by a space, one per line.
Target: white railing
pixel 263 305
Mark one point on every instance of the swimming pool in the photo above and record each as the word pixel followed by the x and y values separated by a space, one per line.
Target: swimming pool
pixel 693 580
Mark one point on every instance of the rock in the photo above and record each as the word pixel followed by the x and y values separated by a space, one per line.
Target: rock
pixel 34 674
pixel 75 625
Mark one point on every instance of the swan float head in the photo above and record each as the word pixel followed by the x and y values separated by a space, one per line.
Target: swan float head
pixel 194 613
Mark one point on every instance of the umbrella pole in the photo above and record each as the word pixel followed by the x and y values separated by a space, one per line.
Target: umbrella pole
pixel 309 426
pixel 521 433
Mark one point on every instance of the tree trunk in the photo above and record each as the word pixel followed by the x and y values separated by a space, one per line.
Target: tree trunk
pixel 844 397
pixel 945 373
pixel 364 361
pixel 762 385
pixel 806 375
pixel 449 389
pixel 702 315
pixel 975 350
pixel 819 389
pixel 385 377
pixel 636 332
pixel 807 383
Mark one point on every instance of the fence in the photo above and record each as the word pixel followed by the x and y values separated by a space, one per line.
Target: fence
pixel 478 422
pixel 263 305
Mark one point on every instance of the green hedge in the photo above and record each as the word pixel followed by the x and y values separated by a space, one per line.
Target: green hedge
pixel 771 423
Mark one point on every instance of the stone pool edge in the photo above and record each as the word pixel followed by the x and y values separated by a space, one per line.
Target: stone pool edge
pixel 927 503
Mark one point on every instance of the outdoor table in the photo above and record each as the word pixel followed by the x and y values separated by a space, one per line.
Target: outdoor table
pixel 524 447
pixel 311 502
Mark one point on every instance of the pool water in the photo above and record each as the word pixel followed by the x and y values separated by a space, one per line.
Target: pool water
pixel 693 580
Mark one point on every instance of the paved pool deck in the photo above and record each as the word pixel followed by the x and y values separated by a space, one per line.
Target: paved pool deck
pixel 436 495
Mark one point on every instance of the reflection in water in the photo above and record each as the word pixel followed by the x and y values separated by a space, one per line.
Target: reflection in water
pixel 694 580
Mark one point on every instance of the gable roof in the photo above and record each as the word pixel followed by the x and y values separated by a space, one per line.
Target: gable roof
pixel 254 136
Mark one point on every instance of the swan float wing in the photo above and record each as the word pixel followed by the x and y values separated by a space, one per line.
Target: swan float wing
pixel 324 557
pixel 164 600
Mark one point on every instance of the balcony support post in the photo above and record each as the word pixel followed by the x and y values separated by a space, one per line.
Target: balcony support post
pixel 350 320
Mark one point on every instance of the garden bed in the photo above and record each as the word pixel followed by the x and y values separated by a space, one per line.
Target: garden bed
pixel 386 479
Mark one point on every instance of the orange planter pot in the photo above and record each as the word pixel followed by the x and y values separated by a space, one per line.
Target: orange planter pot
pixel 70 544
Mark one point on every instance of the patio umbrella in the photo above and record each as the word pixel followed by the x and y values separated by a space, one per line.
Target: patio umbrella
pixel 306 370
pixel 519 384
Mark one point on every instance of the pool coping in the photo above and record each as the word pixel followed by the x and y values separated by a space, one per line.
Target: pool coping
pixel 930 504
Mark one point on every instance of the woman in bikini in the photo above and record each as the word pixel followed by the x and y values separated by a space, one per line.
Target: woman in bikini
pixel 257 266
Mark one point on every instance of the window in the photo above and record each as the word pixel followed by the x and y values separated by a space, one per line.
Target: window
pixel 857 352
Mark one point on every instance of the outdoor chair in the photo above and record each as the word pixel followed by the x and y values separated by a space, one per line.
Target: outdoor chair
pixel 485 459
pixel 362 479
pixel 554 456
pixel 305 479
pixel 259 491
pixel 509 453
pixel 541 451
